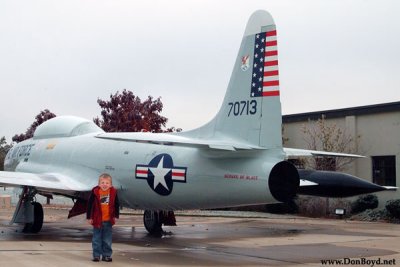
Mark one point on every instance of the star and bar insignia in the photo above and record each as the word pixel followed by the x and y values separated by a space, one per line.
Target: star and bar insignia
pixel 161 174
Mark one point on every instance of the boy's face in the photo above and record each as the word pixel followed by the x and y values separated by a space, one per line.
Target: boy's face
pixel 105 183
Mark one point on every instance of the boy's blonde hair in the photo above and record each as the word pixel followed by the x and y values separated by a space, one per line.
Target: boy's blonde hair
pixel 105 176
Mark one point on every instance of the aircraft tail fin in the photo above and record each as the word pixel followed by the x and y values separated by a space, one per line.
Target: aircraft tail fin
pixel 251 110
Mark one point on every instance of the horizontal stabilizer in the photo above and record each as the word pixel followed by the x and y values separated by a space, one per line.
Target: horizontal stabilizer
pixel 294 152
pixel 172 139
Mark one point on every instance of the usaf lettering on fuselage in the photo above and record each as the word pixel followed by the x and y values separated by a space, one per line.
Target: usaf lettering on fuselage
pixel 20 151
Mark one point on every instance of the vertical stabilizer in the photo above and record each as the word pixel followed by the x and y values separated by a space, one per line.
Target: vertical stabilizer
pixel 251 110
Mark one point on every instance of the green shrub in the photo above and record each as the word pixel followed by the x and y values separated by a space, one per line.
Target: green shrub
pixel 364 203
pixel 393 207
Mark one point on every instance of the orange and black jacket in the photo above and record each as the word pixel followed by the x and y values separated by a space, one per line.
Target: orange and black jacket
pixel 94 207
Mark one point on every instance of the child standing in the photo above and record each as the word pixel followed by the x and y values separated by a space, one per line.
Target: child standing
pixel 103 208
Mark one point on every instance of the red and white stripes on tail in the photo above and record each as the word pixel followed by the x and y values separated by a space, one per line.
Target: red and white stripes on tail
pixel 265 75
pixel 271 72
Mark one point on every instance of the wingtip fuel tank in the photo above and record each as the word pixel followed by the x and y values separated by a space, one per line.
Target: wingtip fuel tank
pixel 334 184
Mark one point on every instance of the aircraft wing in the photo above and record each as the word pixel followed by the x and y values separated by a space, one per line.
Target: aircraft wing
pixel 225 144
pixel 294 152
pixel 172 139
pixel 45 182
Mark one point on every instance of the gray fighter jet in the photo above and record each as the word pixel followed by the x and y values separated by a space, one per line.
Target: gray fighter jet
pixel 235 159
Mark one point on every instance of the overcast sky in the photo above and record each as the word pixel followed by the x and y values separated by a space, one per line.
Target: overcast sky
pixel 63 55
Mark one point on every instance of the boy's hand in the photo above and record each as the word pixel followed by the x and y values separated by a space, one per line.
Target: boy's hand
pixel 90 221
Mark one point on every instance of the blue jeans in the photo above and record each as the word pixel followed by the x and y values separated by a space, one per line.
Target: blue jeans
pixel 102 240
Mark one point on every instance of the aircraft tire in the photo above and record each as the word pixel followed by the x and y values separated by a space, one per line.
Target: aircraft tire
pixel 37 223
pixel 152 222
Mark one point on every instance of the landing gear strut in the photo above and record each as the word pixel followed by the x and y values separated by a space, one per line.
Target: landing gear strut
pixel 29 212
pixel 153 220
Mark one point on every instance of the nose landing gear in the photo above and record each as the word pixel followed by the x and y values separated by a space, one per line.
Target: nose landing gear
pixel 28 211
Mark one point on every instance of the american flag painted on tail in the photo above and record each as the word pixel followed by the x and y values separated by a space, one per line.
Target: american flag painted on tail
pixel 265 76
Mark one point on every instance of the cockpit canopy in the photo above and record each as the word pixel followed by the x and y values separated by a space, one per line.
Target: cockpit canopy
pixel 66 126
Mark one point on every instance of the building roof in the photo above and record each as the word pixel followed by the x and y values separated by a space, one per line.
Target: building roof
pixel 339 113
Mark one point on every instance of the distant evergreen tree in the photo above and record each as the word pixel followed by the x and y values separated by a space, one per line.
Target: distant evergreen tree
pixel 4 148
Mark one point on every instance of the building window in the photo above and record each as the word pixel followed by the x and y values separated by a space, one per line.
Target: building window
pixel 384 170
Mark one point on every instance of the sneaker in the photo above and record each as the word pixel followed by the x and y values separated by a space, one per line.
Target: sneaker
pixel 107 259
pixel 96 259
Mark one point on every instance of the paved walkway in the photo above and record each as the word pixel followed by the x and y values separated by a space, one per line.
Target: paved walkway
pixel 205 241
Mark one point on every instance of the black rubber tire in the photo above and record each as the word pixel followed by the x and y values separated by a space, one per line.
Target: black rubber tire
pixel 152 223
pixel 37 223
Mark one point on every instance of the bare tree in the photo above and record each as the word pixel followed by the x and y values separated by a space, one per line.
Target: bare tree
pixel 284 138
pixel 321 135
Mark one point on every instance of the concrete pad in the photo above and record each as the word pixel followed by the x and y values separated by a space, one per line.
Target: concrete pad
pixel 202 241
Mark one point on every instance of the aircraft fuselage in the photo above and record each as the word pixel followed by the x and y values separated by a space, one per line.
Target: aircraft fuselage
pixel 152 176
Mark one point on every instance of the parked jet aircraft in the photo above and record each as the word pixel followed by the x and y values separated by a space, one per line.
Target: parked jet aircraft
pixel 235 159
